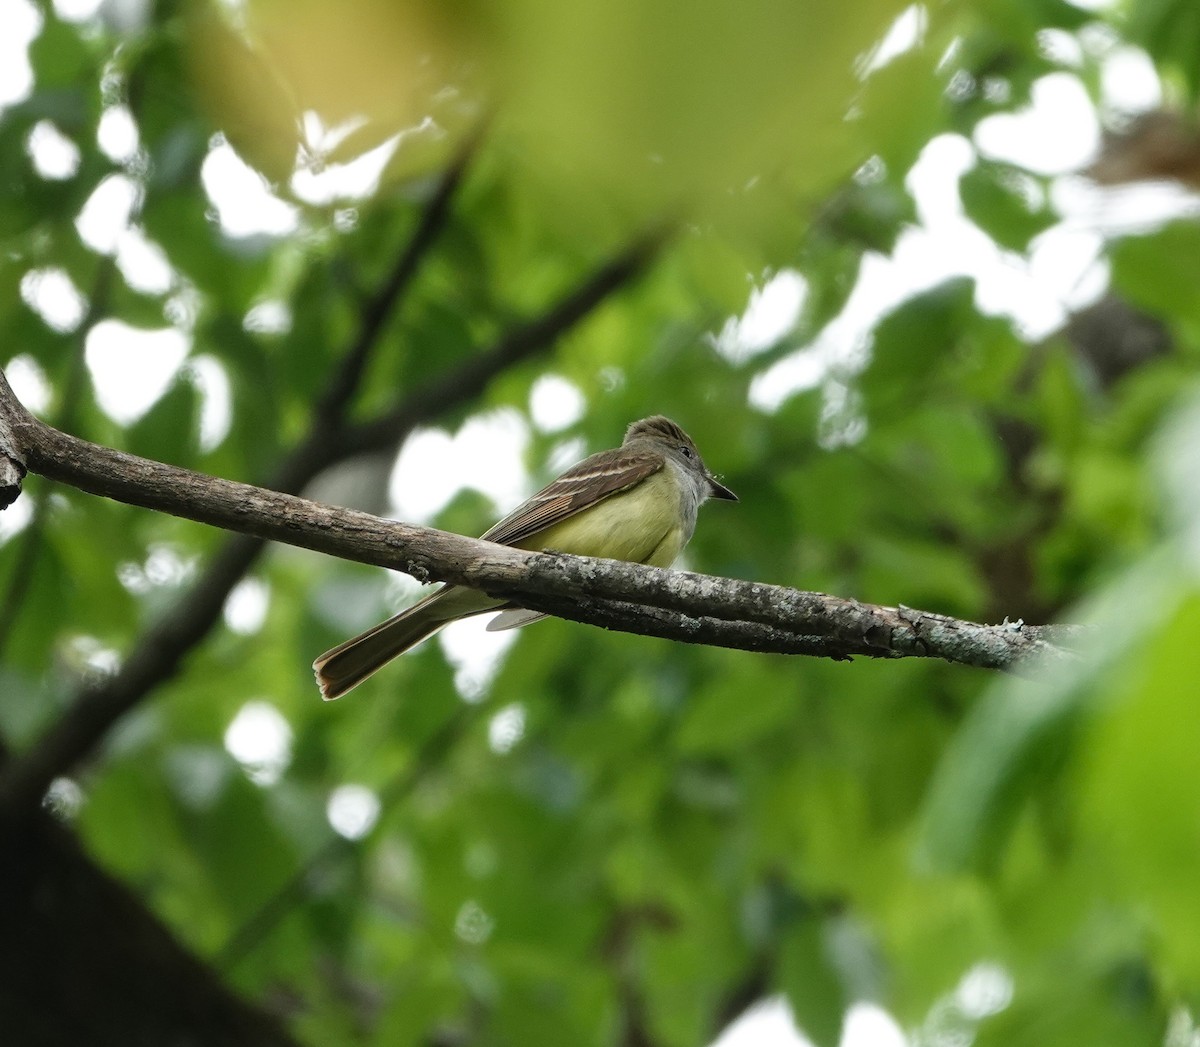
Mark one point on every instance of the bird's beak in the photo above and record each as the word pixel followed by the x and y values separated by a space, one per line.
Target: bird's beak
pixel 719 490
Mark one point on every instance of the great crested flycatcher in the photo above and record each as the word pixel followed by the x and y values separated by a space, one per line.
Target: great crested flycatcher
pixel 636 502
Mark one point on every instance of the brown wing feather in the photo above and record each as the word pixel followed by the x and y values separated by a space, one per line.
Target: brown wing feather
pixel 592 480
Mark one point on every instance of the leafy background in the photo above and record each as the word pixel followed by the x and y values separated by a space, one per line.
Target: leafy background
pixel 602 838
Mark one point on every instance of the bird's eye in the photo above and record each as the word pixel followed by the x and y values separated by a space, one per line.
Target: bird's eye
pixel 685 450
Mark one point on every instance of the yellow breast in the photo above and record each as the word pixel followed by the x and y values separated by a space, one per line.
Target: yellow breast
pixel 643 525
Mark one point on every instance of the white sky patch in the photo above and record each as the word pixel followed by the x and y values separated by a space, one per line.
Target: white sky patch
pixel 475 654
pixel 555 403
pixel 771 1023
pixel 268 317
pixel 94 655
pixel 1060 47
pixel 933 180
pixel 1120 210
pixel 260 739
pixel 841 344
pixel 1129 82
pixel 1064 270
pixel 127 17
pixel 51 294
pixel 869 1025
pixel 1058 133
pixel 768 1023
pixel 15 518
pixel 842 422
pixel 21 23
pixel 64 798
pixel 55 157
pixel 321 138
pixel 472 924
pixel 486 454
pixel 773 311
pixel 326 183
pixel 166 568
pixel 143 263
pixel 133 578
pixel 506 728
pixel 163 568
pixel 1069 265
pixel 132 367
pixel 947 244
pixel 107 212
pixel 566 454
pixel 77 10
pixel 804 369
pixel 244 203
pixel 986 989
pixel 117 134
pixel 246 608
pixel 402 590
pixel 902 36
pixel 182 308
pixel 1182 1029
pixel 356 179
pixel 216 409
pixel 352 810
pixel 29 382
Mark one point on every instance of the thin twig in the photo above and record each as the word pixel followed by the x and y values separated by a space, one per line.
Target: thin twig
pixel 522 342
pixel 344 385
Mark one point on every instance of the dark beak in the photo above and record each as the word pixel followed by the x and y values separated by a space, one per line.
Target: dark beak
pixel 719 490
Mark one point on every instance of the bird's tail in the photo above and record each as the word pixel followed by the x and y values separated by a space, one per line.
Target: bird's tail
pixel 346 666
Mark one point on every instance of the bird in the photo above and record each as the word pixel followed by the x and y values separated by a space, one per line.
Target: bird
pixel 637 502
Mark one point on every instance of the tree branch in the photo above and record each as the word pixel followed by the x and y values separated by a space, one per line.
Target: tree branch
pixel 709 610
pixel 341 390
pixel 675 605
pixel 522 342
pixel 157 653
pixel 85 962
pixel 12 462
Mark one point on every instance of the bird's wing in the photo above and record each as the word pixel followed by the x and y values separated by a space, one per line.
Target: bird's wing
pixel 592 480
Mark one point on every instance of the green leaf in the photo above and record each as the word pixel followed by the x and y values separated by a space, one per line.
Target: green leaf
pixel 911 342
pixel 1007 204
pixel 708 727
pixel 1017 735
pixel 170 430
pixel 1136 800
pixel 811 981
pixel 1159 271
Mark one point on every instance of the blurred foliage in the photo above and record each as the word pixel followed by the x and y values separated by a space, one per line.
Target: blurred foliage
pixel 618 839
